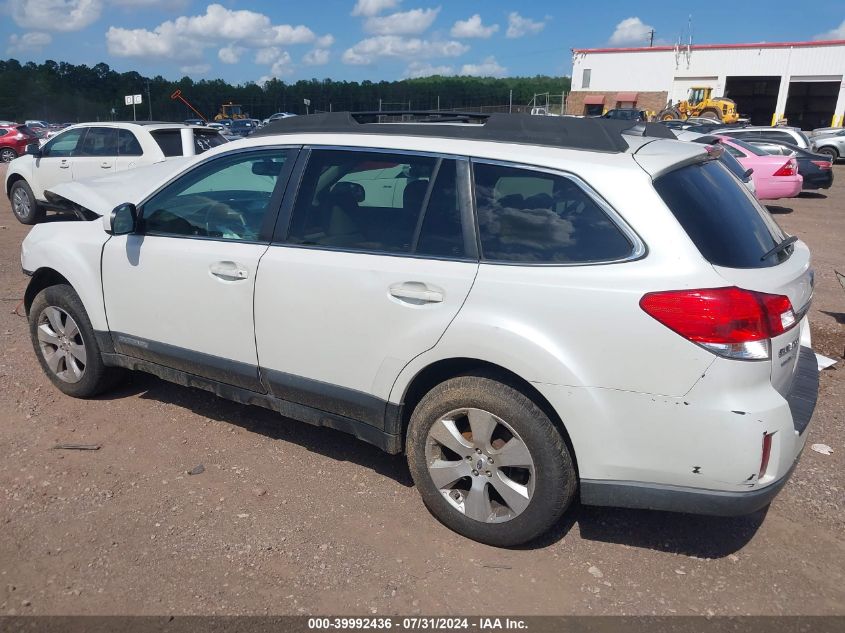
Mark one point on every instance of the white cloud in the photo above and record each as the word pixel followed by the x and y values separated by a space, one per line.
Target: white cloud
pixel 282 66
pixel 187 37
pixel 631 31
pixel 519 26
pixel 28 42
pixel 195 69
pixel 415 70
pixel 324 41
pixel 834 34
pixel 368 50
pixel 488 68
pixel 231 54
pixel 316 57
pixel 267 55
pixel 55 15
pixel 473 27
pixel 369 8
pixel 172 4
pixel 411 22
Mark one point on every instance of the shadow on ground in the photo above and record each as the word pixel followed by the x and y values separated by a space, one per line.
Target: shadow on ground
pixel 325 441
pixel 813 195
pixel 702 536
pixel 778 210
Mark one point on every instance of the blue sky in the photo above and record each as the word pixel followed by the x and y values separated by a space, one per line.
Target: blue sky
pixel 252 40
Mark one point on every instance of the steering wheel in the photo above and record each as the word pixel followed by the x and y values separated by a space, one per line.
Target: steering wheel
pixel 226 221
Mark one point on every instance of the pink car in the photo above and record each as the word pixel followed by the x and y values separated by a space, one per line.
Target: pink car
pixel 774 176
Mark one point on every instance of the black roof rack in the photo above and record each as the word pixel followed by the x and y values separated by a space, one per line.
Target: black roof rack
pixel 600 135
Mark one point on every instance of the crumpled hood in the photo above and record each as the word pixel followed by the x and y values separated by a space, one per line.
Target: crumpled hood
pixel 101 195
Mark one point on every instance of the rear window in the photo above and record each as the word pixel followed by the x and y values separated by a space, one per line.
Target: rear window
pixel 722 218
pixel 170 142
pixel 204 140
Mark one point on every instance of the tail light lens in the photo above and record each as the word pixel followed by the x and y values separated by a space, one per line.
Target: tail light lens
pixel 789 168
pixel 822 164
pixel 729 322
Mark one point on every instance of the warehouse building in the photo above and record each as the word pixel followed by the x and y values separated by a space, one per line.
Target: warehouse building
pixel 801 82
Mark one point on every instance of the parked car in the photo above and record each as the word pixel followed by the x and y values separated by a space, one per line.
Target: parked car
pixel 277 116
pixel 678 124
pixel 36 123
pixel 502 322
pixel 13 140
pixel 89 150
pixel 626 114
pixel 241 127
pixel 774 176
pixel 195 122
pixel 761 133
pixel 815 168
pixel 831 144
pixel 744 174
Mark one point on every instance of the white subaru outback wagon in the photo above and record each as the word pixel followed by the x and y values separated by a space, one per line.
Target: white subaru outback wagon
pixel 529 308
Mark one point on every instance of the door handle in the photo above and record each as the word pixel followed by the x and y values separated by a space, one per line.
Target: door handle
pixel 229 271
pixel 416 292
pixel 105 165
pixel 64 165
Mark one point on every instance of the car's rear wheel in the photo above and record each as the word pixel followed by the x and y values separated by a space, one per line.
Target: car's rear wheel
pixel 7 155
pixel 829 151
pixel 488 462
pixel 65 343
pixel 24 206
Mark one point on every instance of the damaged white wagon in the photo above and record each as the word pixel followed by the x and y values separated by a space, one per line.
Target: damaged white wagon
pixel 530 308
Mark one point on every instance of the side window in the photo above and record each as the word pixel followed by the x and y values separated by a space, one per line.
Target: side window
pixel 227 198
pixel 530 216
pixel 733 151
pixel 170 142
pixel 127 144
pixel 99 141
pixel 373 201
pixel 783 137
pixel 64 144
pixel 3 132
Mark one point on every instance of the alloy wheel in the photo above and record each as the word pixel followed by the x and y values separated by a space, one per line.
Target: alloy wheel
pixel 61 344
pixel 480 465
pixel 7 155
pixel 21 204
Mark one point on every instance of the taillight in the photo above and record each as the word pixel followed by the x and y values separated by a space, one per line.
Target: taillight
pixel 730 322
pixel 824 165
pixel 787 169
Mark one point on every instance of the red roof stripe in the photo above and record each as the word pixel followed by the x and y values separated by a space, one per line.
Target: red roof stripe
pixel 704 47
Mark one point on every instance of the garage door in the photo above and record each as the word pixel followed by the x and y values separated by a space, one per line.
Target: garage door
pixel 811 103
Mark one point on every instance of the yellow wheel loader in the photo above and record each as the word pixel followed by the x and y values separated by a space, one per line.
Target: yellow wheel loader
pixel 700 103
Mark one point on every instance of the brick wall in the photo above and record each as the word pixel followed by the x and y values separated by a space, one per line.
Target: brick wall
pixel 652 102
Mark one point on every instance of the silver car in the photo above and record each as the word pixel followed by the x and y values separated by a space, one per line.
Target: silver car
pixel 830 143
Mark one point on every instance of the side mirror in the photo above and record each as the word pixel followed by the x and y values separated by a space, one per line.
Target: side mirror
pixel 747 175
pixel 33 149
pixel 123 219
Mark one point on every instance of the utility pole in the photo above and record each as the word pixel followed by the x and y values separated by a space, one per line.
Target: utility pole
pixel 510 103
pixel 149 101
pixel 651 38
pixel 438 103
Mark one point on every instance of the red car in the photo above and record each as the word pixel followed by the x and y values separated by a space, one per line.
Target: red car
pixel 13 140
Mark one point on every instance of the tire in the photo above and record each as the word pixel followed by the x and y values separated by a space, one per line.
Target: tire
pixel 668 114
pixel 711 113
pixel 829 151
pixel 535 496
pixel 59 326
pixel 24 205
pixel 7 155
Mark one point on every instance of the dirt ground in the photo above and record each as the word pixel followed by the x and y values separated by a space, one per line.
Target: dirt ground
pixel 290 519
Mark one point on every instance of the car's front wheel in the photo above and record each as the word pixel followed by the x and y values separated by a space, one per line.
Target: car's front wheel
pixel 24 206
pixel 488 462
pixel 65 343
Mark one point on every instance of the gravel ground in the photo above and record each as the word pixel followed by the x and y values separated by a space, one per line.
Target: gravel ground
pixel 290 519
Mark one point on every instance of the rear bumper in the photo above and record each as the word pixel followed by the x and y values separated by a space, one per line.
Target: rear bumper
pixel 702 459
pixel 630 494
pixel 821 181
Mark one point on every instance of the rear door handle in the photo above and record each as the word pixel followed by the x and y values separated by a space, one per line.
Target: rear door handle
pixel 64 165
pixel 229 271
pixel 416 292
pixel 105 165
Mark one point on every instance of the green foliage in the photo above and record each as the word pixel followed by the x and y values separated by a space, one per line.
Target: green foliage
pixel 58 91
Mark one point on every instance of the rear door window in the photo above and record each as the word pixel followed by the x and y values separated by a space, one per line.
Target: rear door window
pixel 531 216
pixel 721 217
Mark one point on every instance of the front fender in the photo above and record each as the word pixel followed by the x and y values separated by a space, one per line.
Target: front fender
pixel 74 251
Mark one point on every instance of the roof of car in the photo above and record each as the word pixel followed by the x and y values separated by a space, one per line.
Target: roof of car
pixel 599 135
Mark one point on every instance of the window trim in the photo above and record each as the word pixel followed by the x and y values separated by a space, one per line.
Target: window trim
pixel 282 232
pixel 273 206
pixel 638 247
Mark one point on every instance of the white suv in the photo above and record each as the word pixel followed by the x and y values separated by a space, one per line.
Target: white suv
pixel 526 307
pixel 90 150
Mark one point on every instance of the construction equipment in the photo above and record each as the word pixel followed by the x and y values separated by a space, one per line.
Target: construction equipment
pixel 230 110
pixel 177 96
pixel 701 103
